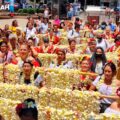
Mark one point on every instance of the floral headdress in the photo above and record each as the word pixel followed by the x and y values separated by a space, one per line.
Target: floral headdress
pixel 118 92
pixel 25 105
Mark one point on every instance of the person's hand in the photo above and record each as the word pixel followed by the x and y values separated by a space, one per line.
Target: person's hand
pixel 102 96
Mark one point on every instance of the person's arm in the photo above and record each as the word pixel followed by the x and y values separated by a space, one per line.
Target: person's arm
pixel 109 97
pixel 94 83
pixel 92 87
pixel 34 52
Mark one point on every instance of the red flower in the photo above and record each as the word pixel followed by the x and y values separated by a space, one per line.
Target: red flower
pixel 20 107
pixel 118 91
pixel 109 61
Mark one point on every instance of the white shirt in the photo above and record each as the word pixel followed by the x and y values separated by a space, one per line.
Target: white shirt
pixel 70 34
pixel 77 37
pixel 112 111
pixel 44 28
pixel 105 90
pixel 103 44
pixel 46 13
pixel 30 33
pixel 99 68
pixel 67 65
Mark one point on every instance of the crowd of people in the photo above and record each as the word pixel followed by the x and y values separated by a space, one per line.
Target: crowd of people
pixel 21 47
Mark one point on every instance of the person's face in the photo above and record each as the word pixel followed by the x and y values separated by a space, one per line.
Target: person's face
pixel 98 54
pixel 85 66
pixel 3 48
pixel 30 43
pixel 62 25
pixel 70 26
pixel 92 47
pixel 23 51
pixel 61 56
pixel 30 26
pixel 6 27
pixel 46 44
pixel 108 73
pixel 98 51
pixel 15 23
pixel 107 31
pixel 27 68
pixel 45 20
pixel 55 28
pixel 56 17
pixel 18 32
pixel 72 45
pixel 77 29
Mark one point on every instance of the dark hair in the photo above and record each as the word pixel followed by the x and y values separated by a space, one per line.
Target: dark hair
pixel 77 26
pixel 28 62
pixel 77 19
pixel 70 41
pixel 45 39
pixel 13 22
pixel 24 110
pixel 61 24
pixel 94 60
pixel 85 58
pixel 112 66
pixel 3 42
pixel 46 19
pixel 117 39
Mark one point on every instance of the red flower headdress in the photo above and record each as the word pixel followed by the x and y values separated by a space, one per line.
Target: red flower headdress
pixel 118 92
pixel 20 107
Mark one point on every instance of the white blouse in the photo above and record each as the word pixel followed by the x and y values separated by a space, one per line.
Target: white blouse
pixel 105 90
pixel 112 111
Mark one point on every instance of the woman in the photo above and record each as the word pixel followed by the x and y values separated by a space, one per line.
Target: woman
pixel 27 110
pixel 115 106
pixel 30 77
pixel 14 26
pixel 6 56
pixel 44 26
pixel 106 85
pixel 30 30
pixel 98 60
pixel 72 47
pixel 56 21
pixel 116 46
pixel 61 61
pixel 46 47
pixel 85 80
pixel 27 53
pixel 13 42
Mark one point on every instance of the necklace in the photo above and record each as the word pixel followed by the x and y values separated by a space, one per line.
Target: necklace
pixel 22 80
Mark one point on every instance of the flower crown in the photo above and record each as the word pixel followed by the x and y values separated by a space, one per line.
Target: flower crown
pixel 118 92
pixel 25 105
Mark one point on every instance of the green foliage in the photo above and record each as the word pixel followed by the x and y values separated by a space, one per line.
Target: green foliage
pixel 31 10
pixel 20 11
pixel 25 10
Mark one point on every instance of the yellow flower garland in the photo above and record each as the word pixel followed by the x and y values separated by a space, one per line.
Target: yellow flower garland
pixel 31 78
